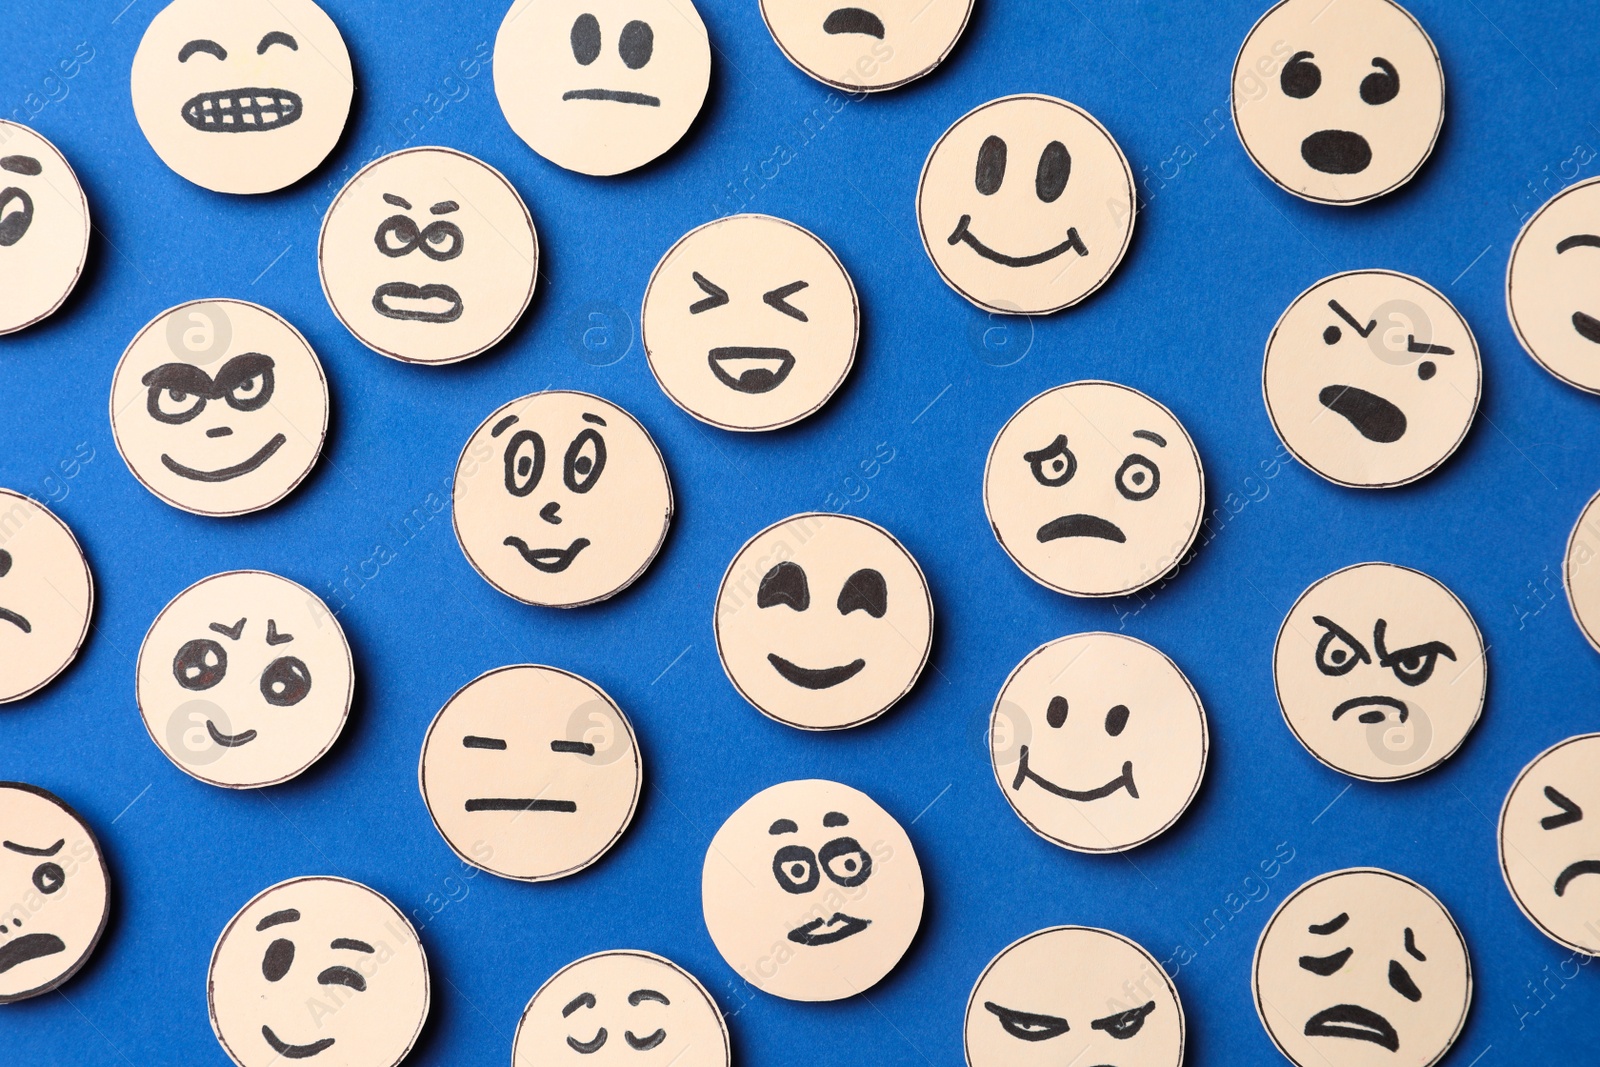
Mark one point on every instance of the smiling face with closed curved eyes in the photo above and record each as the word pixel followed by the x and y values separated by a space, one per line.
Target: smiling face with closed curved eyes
pixel 1550 842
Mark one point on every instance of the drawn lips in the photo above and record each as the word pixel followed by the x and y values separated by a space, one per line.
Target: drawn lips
pixel 757 379
pixel 1373 417
pixel 243 110
pixel 1081 526
pixel 962 233
pixel 1336 152
pixel 616 96
pixel 229 740
pixel 29 947
pixel 853 20
pixel 238 470
pixel 7 615
pixel 549 560
pixel 1375 706
pixel 294 1052
pixel 383 302
pixel 1117 784
pixel 838 928
pixel 815 678
pixel 1354 1022
pixel 15 225
pixel 1573 871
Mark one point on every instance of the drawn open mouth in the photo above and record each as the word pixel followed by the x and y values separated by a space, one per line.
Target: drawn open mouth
pixel 616 96
pixel 1588 326
pixel 243 110
pixel 1373 417
pixel 238 470
pixel 1573 871
pixel 838 928
pixel 7 615
pixel 1354 1022
pixel 560 807
pixel 29 947
pixel 294 1052
pixel 963 234
pixel 229 740
pixel 549 560
pixel 1374 706
pixel 1081 526
pixel 393 300
pixel 13 226
pixel 1336 152
pixel 810 678
pixel 1117 784
pixel 853 20
pixel 755 373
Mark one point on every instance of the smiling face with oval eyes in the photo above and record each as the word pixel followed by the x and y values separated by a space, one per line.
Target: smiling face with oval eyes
pixel 1551 286
pixel 1550 842
pixel 46 596
pixel 871 46
pixel 44 227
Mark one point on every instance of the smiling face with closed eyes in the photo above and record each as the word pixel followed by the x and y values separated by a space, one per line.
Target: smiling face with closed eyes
pixel 1550 842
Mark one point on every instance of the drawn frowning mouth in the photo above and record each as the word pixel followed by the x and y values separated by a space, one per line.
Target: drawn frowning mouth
pixel 853 20
pixel 1574 870
pixel 383 302
pixel 1374 418
pixel 1375 706
pixel 963 234
pixel 229 740
pixel 7 615
pixel 1354 1022
pixel 815 678
pixel 1116 785
pixel 243 110
pixel 294 1052
pixel 751 379
pixel 838 928
pixel 616 96
pixel 29 947
pixel 238 470
pixel 1081 526
pixel 549 560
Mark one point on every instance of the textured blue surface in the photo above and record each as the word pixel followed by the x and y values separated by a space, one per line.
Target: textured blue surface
pixel 1219 252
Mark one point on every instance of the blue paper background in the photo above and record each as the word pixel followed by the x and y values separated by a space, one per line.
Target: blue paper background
pixel 1219 252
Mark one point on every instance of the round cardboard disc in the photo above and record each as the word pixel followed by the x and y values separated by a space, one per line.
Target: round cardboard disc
pixel 54 876
pixel 622 997
pixel 1550 286
pixel 1380 672
pixel 44 228
pixel 750 323
pixel 1372 378
pixel 46 596
pixel 219 407
pixel 318 967
pixel 880 46
pixel 1581 572
pixel 811 891
pixel 601 86
pixel 530 773
pixel 428 255
pixel 244 97
pixel 823 621
pixel 1074 995
pixel 1026 205
pixel 1094 489
pixel 1338 103
pixel 1550 843
pixel 1361 967
pixel 561 499
pixel 245 680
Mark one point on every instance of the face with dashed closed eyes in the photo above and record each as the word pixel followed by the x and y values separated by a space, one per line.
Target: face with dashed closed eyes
pixel 1551 285
pixel 1550 843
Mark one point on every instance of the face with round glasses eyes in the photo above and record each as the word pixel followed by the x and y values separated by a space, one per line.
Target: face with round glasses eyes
pixel 1550 842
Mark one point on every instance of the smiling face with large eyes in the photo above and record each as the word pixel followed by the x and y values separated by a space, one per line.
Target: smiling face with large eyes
pixel 244 97
pixel 1551 290
pixel 44 227
pixel 1338 102
pixel 320 969
pixel 46 596
pixel 872 45
pixel 1550 842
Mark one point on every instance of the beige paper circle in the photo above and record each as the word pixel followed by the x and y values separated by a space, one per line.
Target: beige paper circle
pixel 1372 963
pixel 1026 205
pixel 245 680
pixel 1074 995
pixel 561 499
pixel 1551 285
pixel 1098 742
pixel 823 621
pixel 46 596
pixel 626 996
pixel 1550 841
pixel 530 773
pixel 428 255
pixel 318 967
pixel 243 97
pixel 1338 103
pixel 812 891
pixel 601 86
pixel 1380 393
pixel 1380 672
pixel 750 323
pixel 871 48
pixel 1581 572
pixel 44 228
pixel 219 407
pixel 1094 489
pixel 54 889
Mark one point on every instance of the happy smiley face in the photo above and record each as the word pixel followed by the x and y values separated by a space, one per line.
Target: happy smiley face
pixel 322 969
pixel 750 323
pixel 812 891
pixel 54 891
pixel 428 255
pixel 274 74
pixel 1026 205
pixel 245 680
pixel 871 46
pixel 1551 290
pixel 601 86
pixel 44 227
pixel 1362 967
pixel 823 621
pixel 1094 489
pixel 46 596
pixel 1380 671
pixel 1338 103
pixel 1550 843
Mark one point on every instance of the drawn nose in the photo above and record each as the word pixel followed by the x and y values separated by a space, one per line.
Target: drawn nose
pixel 549 513
pixel 220 431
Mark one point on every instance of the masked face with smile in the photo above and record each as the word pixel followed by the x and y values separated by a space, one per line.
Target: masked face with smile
pixel 44 227
pixel 46 596
pixel 1550 843
pixel 1551 285
pixel 812 891
pixel 870 46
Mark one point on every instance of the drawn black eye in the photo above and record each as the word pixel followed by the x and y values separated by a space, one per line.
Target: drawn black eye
pixel 344 976
pixel 16 210
pixel 1138 478
pixel 278 959
pixel 846 862
pixel 1569 813
pixel 277 37
pixel 795 867
pixel 1382 85
pixel 586 39
pixel 1054 464
pixel 285 682
pixel 524 462
pixel 1026 1025
pixel 210 48
pixel 1124 1024
pixel 1056 713
pixel 991 166
pixel 5 563
pixel 200 664
pixel 778 300
pixel 1331 335
pixel 715 296
pixel 1326 965
pixel 397 236
pixel 1400 981
pixel 586 458
pixel 252 393
pixel 1117 720
pixel 784 584
pixel 49 878
pixel 1055 167
pixel 442 241
pixel 1338 652
pixel 174 406
pixel 1413 665
pixel 865 590
pixel 637 43
pixel 1300 77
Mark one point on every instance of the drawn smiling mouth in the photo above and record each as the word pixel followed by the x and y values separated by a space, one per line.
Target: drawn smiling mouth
pixel 757 379
pixel 1373 417
pixel 961 234
pixel 29 947
pixel 1117 784
pixel 839 927
pixel 815 678
pixel 614 95
pixel 243 110
pixel 1574 870
pixel 1376 705
pixel 7 615
pixel 1354 1022
pixel 549 560
pixel 1081 526
pixel 853 20
pixel 238 470
pixel 229 740
pixel 294 1052
pixel 386 294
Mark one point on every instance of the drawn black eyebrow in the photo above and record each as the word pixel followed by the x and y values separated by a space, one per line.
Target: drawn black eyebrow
pixel 639 996
pixel 201 45
pixel 397 201
pixel 1332 926
pixel 1364 331
pixel 288 915
pixel 1411 946
pixel 473 741
pixel 581 748
pixel 352 944
pixel 1578 240
pixel 274 637
pixel 276 37
pixel 582 1000
pixel 1152 436
pixel 26 851
pixel 835 818
pixel 233 632
pixel 21 165
pixel 593 418
pixel 444 207
pixel 784 826
pixel 501 426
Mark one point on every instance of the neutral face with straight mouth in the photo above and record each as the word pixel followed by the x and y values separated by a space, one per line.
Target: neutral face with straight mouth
pixel 46 596
pixel 1550 842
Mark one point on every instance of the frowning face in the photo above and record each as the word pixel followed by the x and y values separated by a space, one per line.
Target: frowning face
pixel 1551 286
pixel 46 596
pixel 1550 843
pixel 873 45
pixel 44 227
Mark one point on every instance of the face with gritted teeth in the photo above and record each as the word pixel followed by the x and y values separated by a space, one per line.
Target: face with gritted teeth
pixel 1550 842
pixel 874 45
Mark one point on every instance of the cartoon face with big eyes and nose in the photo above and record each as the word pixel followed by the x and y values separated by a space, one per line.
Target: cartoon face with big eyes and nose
pixel 1094 489
pixel 1338 103
pixel 428 255
pixel 1372 378
pixel 1550 843
pixel 601 86
pixel 530 772
pixel 244 97
pixel 750 323
pixel 871 46
pixel 1362 967
pixel 320 969
pixel 812 891
pixel 1026 205
pixel 44 228
pixel 46 596
pixel 561 499
pixel 55 892
pixel 1551 291
pixel 219 407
